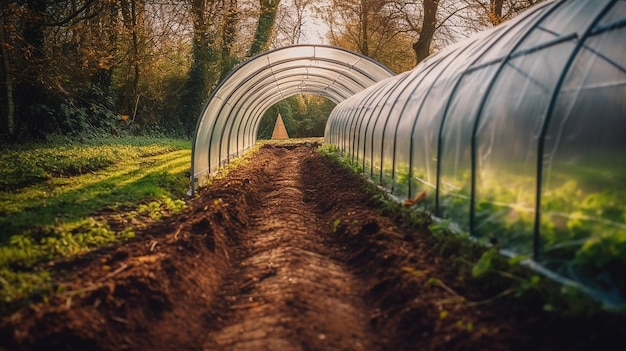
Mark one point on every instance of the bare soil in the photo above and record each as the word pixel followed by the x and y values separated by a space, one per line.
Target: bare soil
pixel 289 252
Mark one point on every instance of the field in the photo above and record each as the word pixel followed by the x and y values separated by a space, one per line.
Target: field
pixel 289 249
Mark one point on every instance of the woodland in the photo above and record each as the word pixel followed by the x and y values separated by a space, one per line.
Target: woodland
pixel 90 68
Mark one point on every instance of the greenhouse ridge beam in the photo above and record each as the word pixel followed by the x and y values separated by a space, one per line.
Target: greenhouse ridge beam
pixel 230 118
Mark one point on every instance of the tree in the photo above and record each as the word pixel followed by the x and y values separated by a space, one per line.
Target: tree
pixel 229 35
pixel 32 46
pixel 493 12
pixel 372 28
pixel 198 82
pixel 312 112
pixel 377 28
pixel 349 22
pixel 7 76
pixel 131 15
pixel 53 58
pixel 429 25
pixel 264 28
pixel 291 18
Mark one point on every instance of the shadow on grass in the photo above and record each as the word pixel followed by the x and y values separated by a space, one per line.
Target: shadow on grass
pixel 165 176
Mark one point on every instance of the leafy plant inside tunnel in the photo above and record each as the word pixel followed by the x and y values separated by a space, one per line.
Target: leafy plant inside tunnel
pixel 581 231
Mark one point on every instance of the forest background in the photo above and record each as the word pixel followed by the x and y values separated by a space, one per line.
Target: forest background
pixel 90 68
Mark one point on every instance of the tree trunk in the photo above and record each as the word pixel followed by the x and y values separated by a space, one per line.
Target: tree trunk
pixel 31 90
pixel 197 84
pixel 130 17
pixel 137 68
pixel 422 46
pixel 104 75
pixel 229 33
pixel 8 78
pixel 495 11
pixel 202 46
pixel 264 27
pixel 365 50
pixel 200 29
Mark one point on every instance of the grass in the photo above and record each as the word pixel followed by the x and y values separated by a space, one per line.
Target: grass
pixel 50 192
pixel 67 188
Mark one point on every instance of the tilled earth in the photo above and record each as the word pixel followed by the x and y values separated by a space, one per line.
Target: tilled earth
pixel 289 252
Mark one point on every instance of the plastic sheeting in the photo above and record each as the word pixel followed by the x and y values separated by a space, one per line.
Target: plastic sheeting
pixel 517 135
pixel 230 118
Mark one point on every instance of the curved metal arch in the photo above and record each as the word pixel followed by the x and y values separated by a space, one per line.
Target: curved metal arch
pixel 275 83
pixel 253 117
pixel 247 108
pixel 254 113
pixel 336 91
pixel 229 119
pixel 273 86
pixel 260 109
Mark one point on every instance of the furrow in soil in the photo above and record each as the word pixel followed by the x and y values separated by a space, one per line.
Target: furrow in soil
pixel 286 292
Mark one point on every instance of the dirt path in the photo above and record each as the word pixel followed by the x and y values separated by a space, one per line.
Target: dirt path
pixel 289 252
pixel 289 294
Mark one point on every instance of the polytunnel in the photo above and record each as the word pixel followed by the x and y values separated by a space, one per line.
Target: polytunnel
pixel 230 118
pixel 517 136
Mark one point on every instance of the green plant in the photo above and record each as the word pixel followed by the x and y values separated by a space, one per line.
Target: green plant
pixel 336 224
pixel 484 264
pixel 441 228
pixel 159 209
pixel 501 277
pixel 604 254
pixel 16 286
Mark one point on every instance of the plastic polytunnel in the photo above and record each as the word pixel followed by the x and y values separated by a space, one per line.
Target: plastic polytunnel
pixel 518 137
pixel 230 118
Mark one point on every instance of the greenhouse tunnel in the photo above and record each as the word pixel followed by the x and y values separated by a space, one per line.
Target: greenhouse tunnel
pixel 517 136
pixel 231 116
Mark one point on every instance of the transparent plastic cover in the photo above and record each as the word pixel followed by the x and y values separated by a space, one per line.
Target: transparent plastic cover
pixel 230 118
pixel 517 136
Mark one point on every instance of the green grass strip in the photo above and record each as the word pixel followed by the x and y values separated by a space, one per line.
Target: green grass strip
pixel 49 193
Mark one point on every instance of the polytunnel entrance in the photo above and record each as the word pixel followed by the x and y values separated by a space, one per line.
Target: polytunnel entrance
pixel 302 116
pixel 231 116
